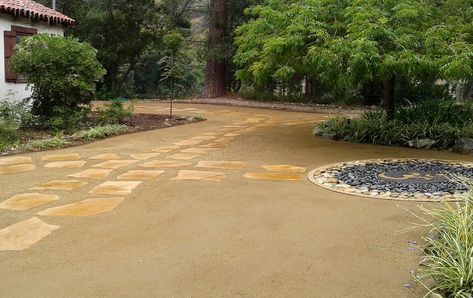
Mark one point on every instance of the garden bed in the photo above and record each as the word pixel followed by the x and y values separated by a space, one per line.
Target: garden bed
pixel 36 139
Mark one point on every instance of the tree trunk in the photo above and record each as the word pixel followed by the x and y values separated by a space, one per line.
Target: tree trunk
pixel 389 96
pixel 216 64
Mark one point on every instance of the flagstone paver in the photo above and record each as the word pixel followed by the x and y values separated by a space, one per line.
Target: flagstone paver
pixel 17 168
pixel 164 164
pixel 231 165
pixel 144 156
pixel 115 164
pixel 183 156
pixel 200 175
pixel 140 175
pixel 87 207
pixel 65 164
pixel 166 149
pixel 22 235
pixel 61 157
pixel 285 168
pixel 92 174
pixel 188 142
pixel 106 156
pixel 60 185
pixel 15 160
pixel 117 188
pixel 27 201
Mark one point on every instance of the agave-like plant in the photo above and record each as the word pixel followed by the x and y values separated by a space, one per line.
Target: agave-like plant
pixel 447 269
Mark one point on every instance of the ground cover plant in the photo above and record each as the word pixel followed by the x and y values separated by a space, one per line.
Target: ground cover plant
pixel 447 268
pixel 442 122
pixel 100 132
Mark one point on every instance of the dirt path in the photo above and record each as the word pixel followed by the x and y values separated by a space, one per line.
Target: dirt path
pixel 189 212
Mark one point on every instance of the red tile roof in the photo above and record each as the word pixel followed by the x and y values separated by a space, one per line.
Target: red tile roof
pixel 33 10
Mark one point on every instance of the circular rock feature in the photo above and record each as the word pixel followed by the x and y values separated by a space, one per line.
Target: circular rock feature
pixel 396 179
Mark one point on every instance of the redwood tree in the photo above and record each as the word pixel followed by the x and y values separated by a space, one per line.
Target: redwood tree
pixel 216 63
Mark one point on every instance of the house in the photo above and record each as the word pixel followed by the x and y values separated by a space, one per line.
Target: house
pixel 22 18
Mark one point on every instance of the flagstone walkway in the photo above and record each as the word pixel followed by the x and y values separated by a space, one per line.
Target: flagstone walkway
pixel 218 208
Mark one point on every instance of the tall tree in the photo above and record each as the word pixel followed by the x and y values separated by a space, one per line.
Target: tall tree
pixel 360 41
pixel 215 70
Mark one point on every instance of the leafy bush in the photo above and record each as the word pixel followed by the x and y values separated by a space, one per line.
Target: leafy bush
pixel 435 112
pixel 442 122
pixel 66 119
pixel 448 265
pixel 17 112
pixel 8 134
pixel 56 142
pixel 100 132
pixel 12 117
pixel 62 71
pixel 114 113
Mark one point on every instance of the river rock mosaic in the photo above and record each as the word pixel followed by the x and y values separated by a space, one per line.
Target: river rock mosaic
pixel 397 179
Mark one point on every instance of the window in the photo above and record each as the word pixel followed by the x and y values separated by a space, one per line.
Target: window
pixel 11 39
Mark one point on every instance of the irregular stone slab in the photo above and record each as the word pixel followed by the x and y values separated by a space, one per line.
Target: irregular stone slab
pixel 232 134
pixel 15 160
pixel 254 120
pixel 165 164
pixel 22 235
pixel 224 140
pixel 274 176
pixel 27 201
pixel 106 156
pixel 198 150
pixel 144 156
pixel 65 164
pixel 284 168
pixel 61 157
pixel 230 165
pixel 183 156
pixel 60 185
pixel 92 174
pixel 119 188
pixel 114 164
pixel 140 175
pixel 166 149
pixel 13 169
pixel 200 175
pixel 188 142
pixel 214 145
pixel 88 207
pixel 203 138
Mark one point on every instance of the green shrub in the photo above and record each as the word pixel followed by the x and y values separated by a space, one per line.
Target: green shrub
pixel 65 119
pixel 8 134
pixel 51 143
pixel 100 132
pixel 448 265
pixel 435 112
pixel 63 72
pixel 445 123
pixel 16 112
pixel 114 113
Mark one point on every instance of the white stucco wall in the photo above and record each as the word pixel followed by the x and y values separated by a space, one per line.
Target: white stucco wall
pixel 19 90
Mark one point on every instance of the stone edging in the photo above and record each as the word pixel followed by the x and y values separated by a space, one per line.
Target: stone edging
pixel 353 191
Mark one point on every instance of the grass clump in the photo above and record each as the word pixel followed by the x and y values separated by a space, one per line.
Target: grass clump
pixel 443 122
pixel 100 132
pixel 447 269
pixel 51 143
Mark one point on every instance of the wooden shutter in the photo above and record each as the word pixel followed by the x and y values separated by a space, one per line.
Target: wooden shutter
pixel 9 40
